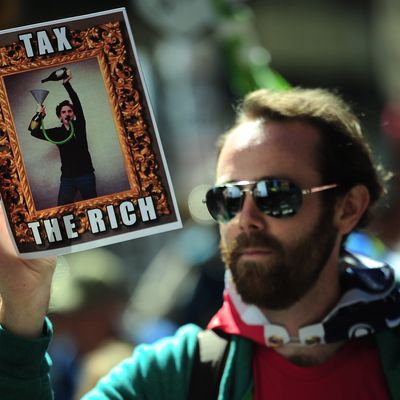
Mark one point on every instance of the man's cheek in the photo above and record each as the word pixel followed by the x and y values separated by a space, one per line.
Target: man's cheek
pixel 223 231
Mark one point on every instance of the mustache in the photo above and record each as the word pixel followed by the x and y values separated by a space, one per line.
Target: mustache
pixel 235 249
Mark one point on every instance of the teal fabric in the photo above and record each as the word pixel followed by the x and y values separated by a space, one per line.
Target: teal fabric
pixel 155 372
pixel 389 350
pixel 24 366
pixel 237 376
pixel 160 371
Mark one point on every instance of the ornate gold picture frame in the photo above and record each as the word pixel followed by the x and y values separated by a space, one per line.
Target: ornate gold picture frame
pixel 100 220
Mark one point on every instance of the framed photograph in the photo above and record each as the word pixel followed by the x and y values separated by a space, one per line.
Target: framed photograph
pixel 81 162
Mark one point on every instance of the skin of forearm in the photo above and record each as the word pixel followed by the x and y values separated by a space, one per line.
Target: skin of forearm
pixel 24 307
pixel 27 323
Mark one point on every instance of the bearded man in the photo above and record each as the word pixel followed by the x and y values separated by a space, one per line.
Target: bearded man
pixel 301 318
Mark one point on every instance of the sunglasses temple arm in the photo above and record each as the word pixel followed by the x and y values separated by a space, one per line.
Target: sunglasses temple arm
pixel 319 188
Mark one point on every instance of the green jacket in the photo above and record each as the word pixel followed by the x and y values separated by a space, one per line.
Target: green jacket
pixel 159 371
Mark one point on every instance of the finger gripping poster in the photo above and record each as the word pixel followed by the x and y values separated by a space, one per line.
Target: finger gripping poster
pixel 81 162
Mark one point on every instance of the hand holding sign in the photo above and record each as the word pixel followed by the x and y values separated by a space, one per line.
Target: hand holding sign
pixel 24 288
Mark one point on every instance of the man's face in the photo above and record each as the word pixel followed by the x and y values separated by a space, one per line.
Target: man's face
pixel 66 114
pixel 275 262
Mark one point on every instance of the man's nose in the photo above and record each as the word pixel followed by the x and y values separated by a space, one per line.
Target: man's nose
pixel 251 218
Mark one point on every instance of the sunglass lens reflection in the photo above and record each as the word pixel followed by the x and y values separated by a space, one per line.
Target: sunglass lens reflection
pixel 278 198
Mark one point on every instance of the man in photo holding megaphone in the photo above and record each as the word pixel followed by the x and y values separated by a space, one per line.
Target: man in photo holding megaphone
pixel 77 172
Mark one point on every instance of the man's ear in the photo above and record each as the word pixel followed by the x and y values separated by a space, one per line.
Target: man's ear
pixel 351 208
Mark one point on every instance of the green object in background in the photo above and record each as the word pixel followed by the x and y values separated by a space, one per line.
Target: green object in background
pixel 248 63
pixel 247 74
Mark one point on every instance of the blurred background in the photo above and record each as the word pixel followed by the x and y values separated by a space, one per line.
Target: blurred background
pixel 199 57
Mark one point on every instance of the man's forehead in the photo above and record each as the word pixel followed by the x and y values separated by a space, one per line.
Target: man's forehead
pixel 249 132
pixel 286 133
pixel 277 147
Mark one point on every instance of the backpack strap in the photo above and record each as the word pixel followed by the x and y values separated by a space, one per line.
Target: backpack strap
pixel 208 365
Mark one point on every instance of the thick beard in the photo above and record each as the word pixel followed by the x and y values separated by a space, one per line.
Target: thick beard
pixel 289 273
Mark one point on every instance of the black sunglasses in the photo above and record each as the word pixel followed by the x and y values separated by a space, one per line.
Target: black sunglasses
pixel 275 197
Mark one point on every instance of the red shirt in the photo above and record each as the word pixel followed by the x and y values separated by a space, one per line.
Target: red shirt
pixel 353 372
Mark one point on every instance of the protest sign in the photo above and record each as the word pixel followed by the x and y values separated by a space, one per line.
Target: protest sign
pixel 81 162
